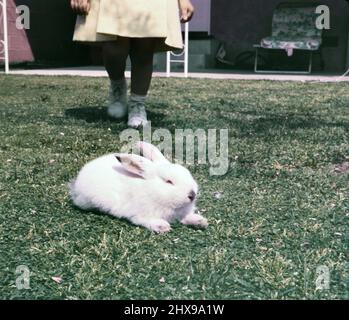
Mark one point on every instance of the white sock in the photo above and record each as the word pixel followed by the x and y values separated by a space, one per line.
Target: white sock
pixel 137 99
pixel 118 98
pixel 137 115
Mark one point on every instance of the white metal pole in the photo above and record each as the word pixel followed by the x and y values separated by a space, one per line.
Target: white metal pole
pixel 186 50
pixel 4 17
pixel 184 53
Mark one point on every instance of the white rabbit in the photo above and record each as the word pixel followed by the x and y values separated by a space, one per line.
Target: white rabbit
pixel 148 190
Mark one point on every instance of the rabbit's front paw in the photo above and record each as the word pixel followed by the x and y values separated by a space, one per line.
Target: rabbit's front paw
pixel 194 219
pixel 159 226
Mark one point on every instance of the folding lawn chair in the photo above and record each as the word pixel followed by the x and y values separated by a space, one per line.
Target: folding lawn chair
pixel 293 28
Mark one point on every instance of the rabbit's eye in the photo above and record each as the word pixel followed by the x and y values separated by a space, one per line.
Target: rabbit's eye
pixel 169 182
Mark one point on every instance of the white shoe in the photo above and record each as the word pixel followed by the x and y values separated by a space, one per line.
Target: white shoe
pixel 118 99
pixel 137 116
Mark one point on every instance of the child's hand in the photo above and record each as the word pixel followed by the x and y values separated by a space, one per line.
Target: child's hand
pixel 81 6
pixel 187 10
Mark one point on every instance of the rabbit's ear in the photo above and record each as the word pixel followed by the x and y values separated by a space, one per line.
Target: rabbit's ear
pixel 150 152
pixel 134 164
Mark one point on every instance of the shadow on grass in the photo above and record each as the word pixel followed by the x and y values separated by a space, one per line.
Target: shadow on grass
pixel 89 114
pixel 99 114
pixel 100 215
pixel 261 124
pixel 123 222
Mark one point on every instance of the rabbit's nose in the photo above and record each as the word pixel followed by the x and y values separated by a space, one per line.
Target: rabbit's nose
pixel 192 195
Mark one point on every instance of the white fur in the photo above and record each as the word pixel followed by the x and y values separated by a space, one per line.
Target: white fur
pixel 137 188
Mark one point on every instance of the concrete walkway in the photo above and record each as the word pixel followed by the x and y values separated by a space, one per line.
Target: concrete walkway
pixel 100 72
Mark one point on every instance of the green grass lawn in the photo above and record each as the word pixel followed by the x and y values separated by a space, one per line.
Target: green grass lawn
pixel 282 214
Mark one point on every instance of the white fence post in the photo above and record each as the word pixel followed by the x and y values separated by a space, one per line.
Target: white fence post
pixel 4 41
pixel 184 53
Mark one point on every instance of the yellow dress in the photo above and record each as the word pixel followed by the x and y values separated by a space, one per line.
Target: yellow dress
pixel 109 19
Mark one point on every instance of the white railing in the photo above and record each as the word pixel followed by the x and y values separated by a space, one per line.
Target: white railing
pixel 184 54
pixel 4 42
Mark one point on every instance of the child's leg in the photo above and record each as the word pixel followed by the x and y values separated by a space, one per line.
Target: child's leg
pixel 141 54
pixel 114 55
